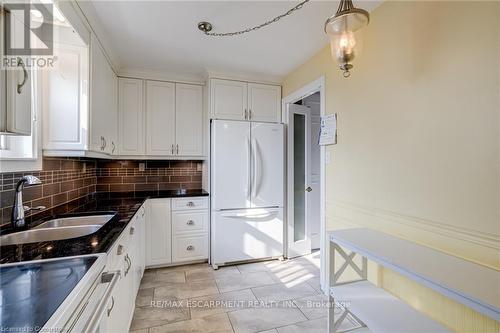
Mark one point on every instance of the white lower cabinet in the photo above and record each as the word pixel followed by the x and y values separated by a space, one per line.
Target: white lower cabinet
pixel 162 232
pixel 188 248
pixel 127 256
pixel 176 230
pixel 158 232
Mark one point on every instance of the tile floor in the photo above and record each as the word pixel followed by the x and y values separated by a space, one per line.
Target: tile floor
pixel 270 297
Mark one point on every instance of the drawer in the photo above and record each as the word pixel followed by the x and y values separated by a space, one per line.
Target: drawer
pixel 190 203
pixel 189 222
pixel 186 248
pixel 116 255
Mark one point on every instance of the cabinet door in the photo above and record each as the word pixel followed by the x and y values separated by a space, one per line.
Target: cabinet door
pixel 17 118
pixel 131 116
pixel 228 99
pixel 158 232
pixel 136 250
pixel 264 102
pixel 118 308
pixel 112 120
pixel 160 118
pixel 189 119
pixel 65 120
pixel 99 96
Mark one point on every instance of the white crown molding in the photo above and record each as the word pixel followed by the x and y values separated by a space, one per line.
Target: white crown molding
pixel 242 76
pixel 472 245
pixel 147 74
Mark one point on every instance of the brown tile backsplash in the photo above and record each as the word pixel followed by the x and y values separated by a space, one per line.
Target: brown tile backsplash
pixel 66 179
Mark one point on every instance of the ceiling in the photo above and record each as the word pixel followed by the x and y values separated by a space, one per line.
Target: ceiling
pixel 162 36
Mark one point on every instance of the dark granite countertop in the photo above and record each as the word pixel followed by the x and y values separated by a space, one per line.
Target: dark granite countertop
pixel 125 204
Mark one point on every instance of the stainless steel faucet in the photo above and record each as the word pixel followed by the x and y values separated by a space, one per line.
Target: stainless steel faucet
pixel 18 210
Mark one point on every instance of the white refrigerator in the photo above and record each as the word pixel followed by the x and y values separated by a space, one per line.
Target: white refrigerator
pixel 247 177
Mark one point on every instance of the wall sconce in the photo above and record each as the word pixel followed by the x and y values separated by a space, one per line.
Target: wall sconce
pixel 344 28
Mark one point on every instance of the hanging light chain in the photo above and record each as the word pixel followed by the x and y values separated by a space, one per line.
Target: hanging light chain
pixel 240 32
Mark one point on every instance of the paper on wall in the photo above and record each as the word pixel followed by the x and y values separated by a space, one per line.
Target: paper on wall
pixel 328 130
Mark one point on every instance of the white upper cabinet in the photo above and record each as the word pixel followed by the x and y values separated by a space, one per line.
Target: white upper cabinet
pixel 15 99
pixel 189 119
pixel 103 102
pixel 131 117
pixel 236 100
pixel 160 118
pixel 264 102
pixel 65 100
pixel 228 99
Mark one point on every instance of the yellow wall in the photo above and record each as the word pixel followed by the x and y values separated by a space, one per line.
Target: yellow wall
pixel 419 144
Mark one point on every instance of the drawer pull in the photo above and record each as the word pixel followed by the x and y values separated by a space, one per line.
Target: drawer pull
pixel 112 305
pixel 190 248
pixel 190 204
pixel 119 250
pixel 132 230
pixel 190 222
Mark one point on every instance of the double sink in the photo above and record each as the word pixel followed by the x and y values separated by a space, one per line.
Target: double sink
pixel 59 228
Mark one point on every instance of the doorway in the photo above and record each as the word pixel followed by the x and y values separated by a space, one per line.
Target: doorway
pixel 305 173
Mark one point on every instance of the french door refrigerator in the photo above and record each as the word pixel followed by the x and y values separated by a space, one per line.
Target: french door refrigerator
pixel 247 177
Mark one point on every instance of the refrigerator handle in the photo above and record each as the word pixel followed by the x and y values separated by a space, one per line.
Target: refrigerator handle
pixel 256 167
pixel 249 174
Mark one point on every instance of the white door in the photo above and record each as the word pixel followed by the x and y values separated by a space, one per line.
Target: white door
pixel 158 232
pixel 299 178
pixel 267 165
pixel 131 116
pixel 231 149
pixel 160 118
pixel 228 99
pixel 188 119
pixel 255 234
pixel 264 102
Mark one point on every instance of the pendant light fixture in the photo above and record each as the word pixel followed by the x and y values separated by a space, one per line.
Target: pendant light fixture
pixel 344 28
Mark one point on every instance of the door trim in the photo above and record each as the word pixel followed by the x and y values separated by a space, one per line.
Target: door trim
pixel 317 85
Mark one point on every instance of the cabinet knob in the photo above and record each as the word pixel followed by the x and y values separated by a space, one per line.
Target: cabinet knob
pixel 190 248
pixel 132 230
pixel 190 222
pixel 119 250
pixel 190 204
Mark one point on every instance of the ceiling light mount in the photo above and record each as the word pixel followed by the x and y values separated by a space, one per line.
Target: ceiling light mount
pixel 205 26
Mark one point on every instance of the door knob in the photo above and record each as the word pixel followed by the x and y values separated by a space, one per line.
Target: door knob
pixel 309 189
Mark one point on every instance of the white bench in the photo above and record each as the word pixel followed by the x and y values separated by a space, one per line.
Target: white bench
pixel 473 285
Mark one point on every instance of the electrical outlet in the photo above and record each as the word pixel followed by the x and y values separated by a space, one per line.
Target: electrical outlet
pixel 142 166
pixel 199 167
pixel 84 168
